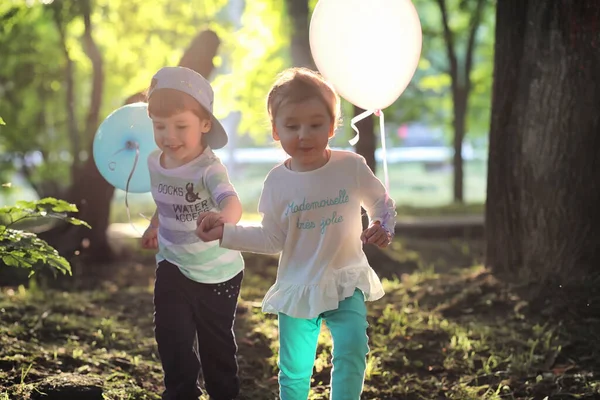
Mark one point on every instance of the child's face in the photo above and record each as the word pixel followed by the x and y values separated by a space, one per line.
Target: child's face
pixel 180 136
pixel 304 130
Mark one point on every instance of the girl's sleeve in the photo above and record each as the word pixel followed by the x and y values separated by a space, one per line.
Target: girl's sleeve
pixel 217 182
pixel 268 238
pixel 375 198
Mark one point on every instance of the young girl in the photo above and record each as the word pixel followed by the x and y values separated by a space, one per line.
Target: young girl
pixel 311 214
pixel 197 284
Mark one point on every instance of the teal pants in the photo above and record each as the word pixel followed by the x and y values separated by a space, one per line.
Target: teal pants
pixel 298 344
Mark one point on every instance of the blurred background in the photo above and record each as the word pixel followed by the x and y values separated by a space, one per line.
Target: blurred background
pixel 66 64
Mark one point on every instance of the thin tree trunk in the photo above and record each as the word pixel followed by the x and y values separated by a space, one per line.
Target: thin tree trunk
pixel 460 97
pixel 74 136
pixel 89 190
pixel 300 46
pixel 460 75
pixel 543 191
pixel 366 144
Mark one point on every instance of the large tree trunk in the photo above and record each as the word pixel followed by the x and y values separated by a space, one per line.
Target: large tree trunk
pixel 543 191
pixel 92 194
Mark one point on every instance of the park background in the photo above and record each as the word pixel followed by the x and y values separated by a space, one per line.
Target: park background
pixel 467 314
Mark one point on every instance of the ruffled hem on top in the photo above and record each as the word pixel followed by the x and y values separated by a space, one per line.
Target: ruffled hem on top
pixel 309 301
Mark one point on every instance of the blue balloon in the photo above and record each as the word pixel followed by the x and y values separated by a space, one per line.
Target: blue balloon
pixel 124 135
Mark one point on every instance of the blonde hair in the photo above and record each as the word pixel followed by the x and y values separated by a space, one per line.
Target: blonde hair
pixel 298 84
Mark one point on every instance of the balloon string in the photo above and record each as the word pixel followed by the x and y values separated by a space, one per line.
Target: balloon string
pixel 128 146
pixel 355 139
pixel 386 177
pixel 353 122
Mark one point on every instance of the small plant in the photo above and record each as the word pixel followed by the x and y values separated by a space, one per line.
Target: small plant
pixel 19 248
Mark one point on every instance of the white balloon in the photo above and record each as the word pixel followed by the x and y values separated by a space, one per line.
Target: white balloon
pixel 368 49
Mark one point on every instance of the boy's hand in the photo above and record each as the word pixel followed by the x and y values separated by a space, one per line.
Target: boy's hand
pixel 377 235
pixel 150 238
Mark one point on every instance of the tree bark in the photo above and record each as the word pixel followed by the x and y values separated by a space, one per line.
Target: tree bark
pixel 300 46
pixel 543 193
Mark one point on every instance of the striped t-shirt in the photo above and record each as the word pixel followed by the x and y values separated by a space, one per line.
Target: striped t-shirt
pixel 181 194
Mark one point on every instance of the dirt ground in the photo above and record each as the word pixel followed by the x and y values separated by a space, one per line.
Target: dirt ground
pixel 446 329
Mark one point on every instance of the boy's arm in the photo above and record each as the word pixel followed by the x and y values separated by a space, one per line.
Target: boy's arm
pixel 231 209
pixel 154 220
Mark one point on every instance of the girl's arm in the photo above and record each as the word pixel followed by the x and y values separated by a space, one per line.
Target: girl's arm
pixel 154 220
pixel 269 237
pixel 380 207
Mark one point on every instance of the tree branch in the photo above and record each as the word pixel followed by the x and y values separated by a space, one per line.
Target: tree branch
pixel 474 26
pixel 93 53
pixel 70 95
pixel 450 48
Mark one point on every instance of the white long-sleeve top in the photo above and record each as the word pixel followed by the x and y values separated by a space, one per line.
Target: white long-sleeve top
pixel 314 220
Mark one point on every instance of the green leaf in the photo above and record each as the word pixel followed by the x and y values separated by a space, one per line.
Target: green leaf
pixel 10 261
pixel 25 250
pixel 50 203
pixel 2 121
pixel 75 221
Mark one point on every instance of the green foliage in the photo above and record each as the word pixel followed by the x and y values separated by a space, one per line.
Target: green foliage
pixel 19 248
pixel 39 41
pixel 428 98
pixel 253 55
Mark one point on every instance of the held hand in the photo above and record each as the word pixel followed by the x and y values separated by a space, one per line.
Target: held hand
pixel 209 235
pixel 377 235
pixel 150 238
pixel 209 220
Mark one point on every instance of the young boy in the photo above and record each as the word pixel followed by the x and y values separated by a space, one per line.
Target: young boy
pixel 197 284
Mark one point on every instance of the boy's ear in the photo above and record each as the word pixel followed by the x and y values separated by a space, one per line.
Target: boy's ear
pixel 206 125
pixel 275 134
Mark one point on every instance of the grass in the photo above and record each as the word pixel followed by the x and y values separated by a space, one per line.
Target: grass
pixel 445 330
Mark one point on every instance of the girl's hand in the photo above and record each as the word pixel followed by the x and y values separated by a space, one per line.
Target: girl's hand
pixel 150 238
pixel 377 235
pixel 209 220
pixel 209 235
